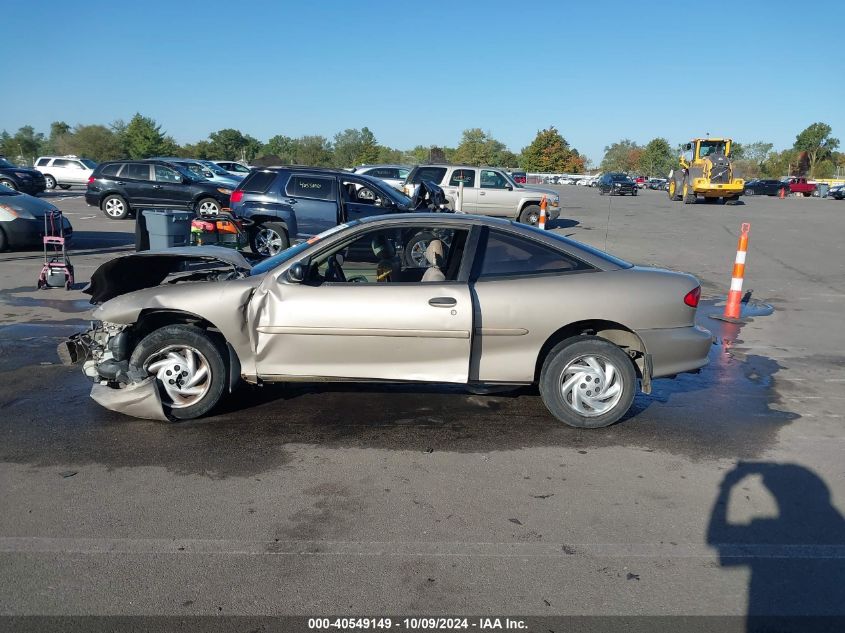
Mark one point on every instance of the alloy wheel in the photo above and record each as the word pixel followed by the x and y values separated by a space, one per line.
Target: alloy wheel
pixel 209 208
pixel 115 208
pixel 268 242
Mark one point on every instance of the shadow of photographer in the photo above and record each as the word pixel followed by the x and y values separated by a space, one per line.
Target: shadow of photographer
pixel 796 560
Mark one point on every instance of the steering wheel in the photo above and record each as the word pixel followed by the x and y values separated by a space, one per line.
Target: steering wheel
pixel 334 272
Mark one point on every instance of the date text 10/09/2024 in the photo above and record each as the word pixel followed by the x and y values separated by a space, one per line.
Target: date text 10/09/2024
pixel 416 624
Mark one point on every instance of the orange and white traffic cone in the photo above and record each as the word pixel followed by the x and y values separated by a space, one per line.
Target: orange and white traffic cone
pixel 541 223
pixel 782 193
pixel 733 306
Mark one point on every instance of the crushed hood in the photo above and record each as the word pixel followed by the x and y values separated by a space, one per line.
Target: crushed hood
pixel 149 268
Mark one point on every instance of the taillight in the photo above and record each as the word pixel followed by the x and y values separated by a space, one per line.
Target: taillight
pixel 692 297
pixel 237 196
pixel 91 180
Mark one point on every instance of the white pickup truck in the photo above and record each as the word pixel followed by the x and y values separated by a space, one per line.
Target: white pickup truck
pixel 487 191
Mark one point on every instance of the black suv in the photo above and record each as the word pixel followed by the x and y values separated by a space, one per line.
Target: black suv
pixel 121 187
pixel 616 185
pixel 765 187
pixel 22 179
pixel 291 204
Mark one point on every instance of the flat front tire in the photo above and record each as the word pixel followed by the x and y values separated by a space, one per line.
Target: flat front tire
pixel 188 366
pixel 587 382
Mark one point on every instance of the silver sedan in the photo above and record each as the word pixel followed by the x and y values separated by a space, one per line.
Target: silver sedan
pixel 410 297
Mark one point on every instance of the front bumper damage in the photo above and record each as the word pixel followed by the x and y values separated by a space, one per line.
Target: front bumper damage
pixel 103 352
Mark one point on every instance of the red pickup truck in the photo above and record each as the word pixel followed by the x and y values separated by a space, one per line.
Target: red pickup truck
pixel 800 185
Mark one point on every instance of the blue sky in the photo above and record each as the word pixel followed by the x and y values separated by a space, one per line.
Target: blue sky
pixel 421 73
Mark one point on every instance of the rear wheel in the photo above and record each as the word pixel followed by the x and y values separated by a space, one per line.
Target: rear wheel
pixel 268 239
pixel 587 382
pixel 115 207
pixel 188 366
pixel 49 181
pixel 208 206
pixel 9 184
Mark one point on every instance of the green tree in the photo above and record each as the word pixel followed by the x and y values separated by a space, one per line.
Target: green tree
pixel 369 150
pixel 282 146
pixel 817 142
pixel 549 152
pixel 313 150
pixel 657 158
pixel 203 150
pixel 621 156
pixel 58 130
pixel 24 146
pixel 779 164
pixel 480 148
pixel 349 147
pixel 231 144
pixel 142 137
pixel 390 155
pixel 91 141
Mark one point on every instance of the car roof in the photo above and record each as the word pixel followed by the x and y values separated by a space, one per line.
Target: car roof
pixel 462 166
pixel 357 167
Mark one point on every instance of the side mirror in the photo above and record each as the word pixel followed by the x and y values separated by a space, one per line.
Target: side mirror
pixel 296 273
pixel 509 187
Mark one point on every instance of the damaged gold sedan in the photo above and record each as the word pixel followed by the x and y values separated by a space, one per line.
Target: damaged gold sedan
pixel 413 298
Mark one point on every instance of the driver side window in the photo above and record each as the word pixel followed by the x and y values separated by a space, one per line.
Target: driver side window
pixel 393 255
pixel 492 180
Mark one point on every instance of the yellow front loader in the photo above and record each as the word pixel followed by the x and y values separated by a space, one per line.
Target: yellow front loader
pixel 704 169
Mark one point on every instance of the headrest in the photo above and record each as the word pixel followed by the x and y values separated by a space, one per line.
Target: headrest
pixel 434 253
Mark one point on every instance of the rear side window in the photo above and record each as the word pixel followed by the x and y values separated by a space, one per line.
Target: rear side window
pixel 383 172
pixel 42 161
pixel 111 170
pixel 136 171
pixel 311 187
pixel 258 182
pixel 61 162
pixel 505 254
pixel 466 176
pixel 434 174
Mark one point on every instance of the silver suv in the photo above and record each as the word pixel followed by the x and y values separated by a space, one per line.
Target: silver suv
pixel 65 171
pixel 487 191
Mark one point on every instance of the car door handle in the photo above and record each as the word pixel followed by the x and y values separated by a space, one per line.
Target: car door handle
pixel 443 302
pixel 120 182
pixel 482 193
pixel 156 186
pixel 291 201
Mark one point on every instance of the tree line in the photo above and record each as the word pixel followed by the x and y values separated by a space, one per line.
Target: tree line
pixel 813 154
pixel 143 137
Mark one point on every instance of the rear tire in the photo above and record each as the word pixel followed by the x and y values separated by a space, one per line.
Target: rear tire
pixel 164 348
pixel 49 181
pixel 208 206
pixel 577 376
pixel 673 190
pixel 268 239
pixel 115 207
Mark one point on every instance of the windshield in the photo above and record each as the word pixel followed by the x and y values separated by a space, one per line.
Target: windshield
pixel 397 197
pixel 90 164
pixel 293 251
pixel 711 147
pixel 5 163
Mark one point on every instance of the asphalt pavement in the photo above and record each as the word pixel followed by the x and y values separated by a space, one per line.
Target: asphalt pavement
pixel 722 493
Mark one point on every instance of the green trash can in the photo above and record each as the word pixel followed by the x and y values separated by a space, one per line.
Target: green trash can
pixel 168 228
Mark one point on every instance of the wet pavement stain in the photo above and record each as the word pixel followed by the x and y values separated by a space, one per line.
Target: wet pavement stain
pixel 729 409
pixel 51 298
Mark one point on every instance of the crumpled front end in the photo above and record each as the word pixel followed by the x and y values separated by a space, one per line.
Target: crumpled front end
pixel 103 351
